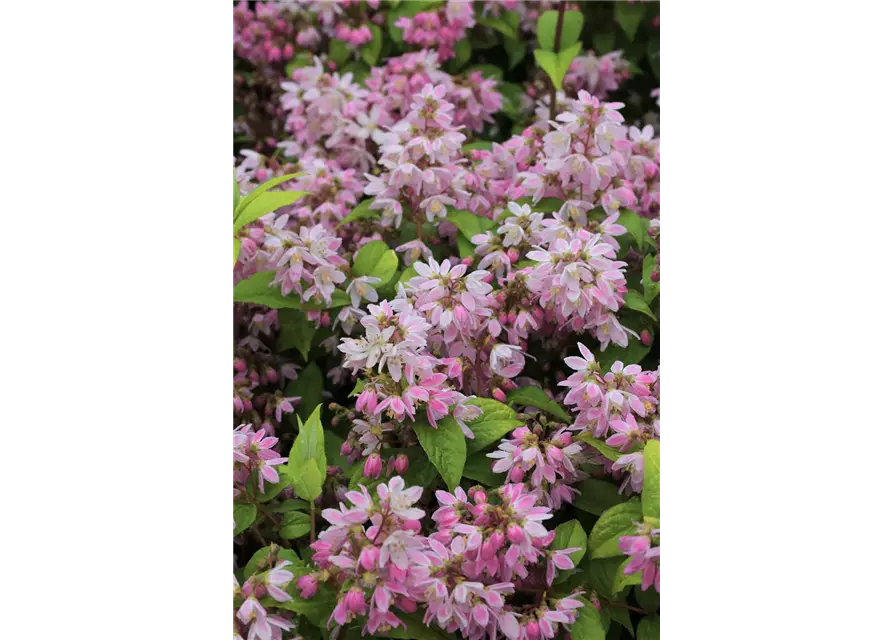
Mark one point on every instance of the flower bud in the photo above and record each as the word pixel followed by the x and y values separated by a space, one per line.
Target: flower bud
pixel 401 464
pixel 499 394
pixel 372 467
pixel 645 337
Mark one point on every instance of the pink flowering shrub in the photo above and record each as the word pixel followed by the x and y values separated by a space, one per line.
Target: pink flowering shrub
pixel 446 269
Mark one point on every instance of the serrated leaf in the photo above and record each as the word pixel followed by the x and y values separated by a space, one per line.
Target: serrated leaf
pixel 547 25
pixel 651 288
pixel 496 420
pixel 535 397
pixel 468 223
pixel 478 467
pixel 264 204
pixel 294 525
pixel 628 16
pixel 588 625
pixel 445 447
pixel 376 259
pixel 244 515
pixel 261 189
pixel 651 489
pixel 614 523
pixel 296 332
pixel 649 628
pixel 307 459
pixel 609 452
pixel 596 496
pixel 635 301
pixel 306 480
pixel 370 51
pixel 361 212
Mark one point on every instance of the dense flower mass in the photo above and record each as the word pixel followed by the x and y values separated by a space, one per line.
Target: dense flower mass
pixel 426 234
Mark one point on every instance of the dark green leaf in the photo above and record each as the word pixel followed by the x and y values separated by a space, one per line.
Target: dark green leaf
pixel 609 452
pixel 636 226
pixel 478 467
pixel 635 301
pixel 515 49
pixel 535 397
pixel 500 24
pixel 649 600
pixel 632 354
pixel 596 496
pixel 296 332
pixel 649 628
pixel 622 616
pixel 370 51
pixel 244 515
pixel 588 625
pixel 445 447
pixel 601 574
pixel 308 386
pixel 376 259
pixel 568 535
pixel 361 212
pixel 628 16
pixel 651 288
pixel 416 630
pixel 261 560
pixel 614 523
pixel 488 71
pixel 496 420
pixel 339 51
pixel 294 525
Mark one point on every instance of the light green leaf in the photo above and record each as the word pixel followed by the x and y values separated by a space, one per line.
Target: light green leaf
pixel 264 204
pixel 308 385
pixel 649 628
pixel 306 479
pixel 445 447
pixel 628 16
pixel 651 490
pixel 535 397
pixel 496 420
pixel 296 332
pixel 556 64
pixel 568 535
pixel 466 249
pixel 500 24
pixel 256 193
pixel 485 145
pixel 235 193
pixel 478 467
pixel 261 560
pixel 547 25
pixel 614 523
pixel 588 625
pixel 357 388
pixel 623 580
pixel 601 572
pixel 636 225
pixel 609 452
pixel 237 246
pixel 370 51
pixel 636 302
pixel 256 289
pixel 651 288
pixel 339 51
pixel 376 259
pixel 361 212
pixel 294 525
pixel 596 496
pixel 516 50
pixel 244 515
pixel 469 224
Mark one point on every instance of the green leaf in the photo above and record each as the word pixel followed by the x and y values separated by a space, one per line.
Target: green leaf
pixel 478 467
pixel 361 212
pixel 636 302
pixel 604 42
pixel 445 447
pixel 294 525
pixel 302 59
pixel 568 535
pixel 370 51
pixel 289 505
pixel 359 70
pixel 463 54
pixel 357 388
pixel 244 515
pixel 339 51
pixel 556 64
pixel 596 496
pixel 261 560
pixel 601 573
pixel 651 490
pixel 632 354
pixel 588 625
pixel 649 628
pixel 237 246
pixel 652 50
pixel 622 616
pixel 547 25
pixel 235 193
pixel 307 460
pixel 317 609
pixel 308 385
pixel 535 397
pixel 628 16
pixel 623 580
pixel 264 204
pixel 651 288
pixel 333 450
pixel 407 9
pixel 469 224
pixel 636 225
pixel 376 259
pixel 270 491
pixel 496 420
pixel 488 71
pixel 466 249
pixel 649 600
pixel 296 332
pixel 485 145
pixel 263 188
pixel 511 99
pixel 306 479
pixel 415 630
pixel 614 523
pixel 502 25
pixel 516 50
pixel 609 452
pixel 256 289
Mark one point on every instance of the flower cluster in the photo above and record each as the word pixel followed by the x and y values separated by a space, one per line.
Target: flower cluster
pixel 266 35
pixel 252 620
pixel 599 75
pixel 644 548
pixel 442 27
pixel 253 454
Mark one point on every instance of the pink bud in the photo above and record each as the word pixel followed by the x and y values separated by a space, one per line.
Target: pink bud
pixel 355 601
pixel 466 261
pixel 406 604
pixel 645 337
pixel 325 320
pixel 503 319
pixel 515 534
pixel 512 317
pixel 411 525
pixel 261 174
pixel 240 365
pixel 308 586
pixel 533 630
pixel 513 255
pixel 499 394
pixel 272 375
pixel 516 474
pixel 372 467
pixel 288 51
pixel 402 463
pixel 479 497
pixel 369 557
pixel 346 449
